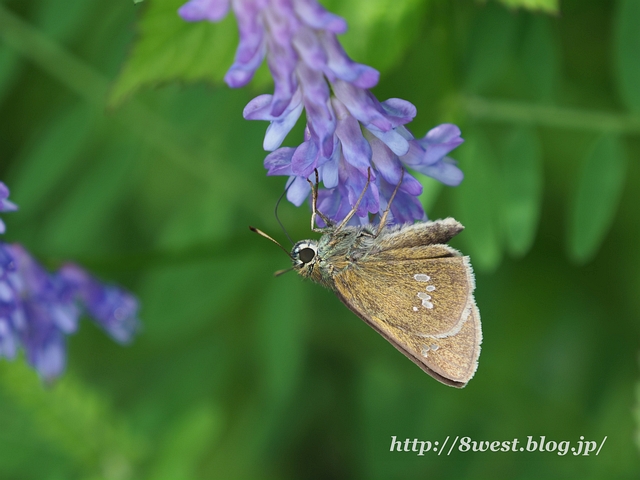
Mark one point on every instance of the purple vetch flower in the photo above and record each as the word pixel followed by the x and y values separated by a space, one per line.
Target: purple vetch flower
pixel 348 130
pixel 39 309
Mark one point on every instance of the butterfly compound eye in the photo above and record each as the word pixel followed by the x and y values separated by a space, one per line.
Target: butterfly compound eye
pixel 306 255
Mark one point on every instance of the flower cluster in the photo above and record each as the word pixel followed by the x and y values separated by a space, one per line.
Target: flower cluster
pixel 39 309
pixel 348 130
pixel 5 206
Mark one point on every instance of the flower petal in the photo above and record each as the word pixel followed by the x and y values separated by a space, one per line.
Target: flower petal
pixel 298 191
pixel 321 119
pixel 340 66
pixel 251 47
pixel 385 161
pixel 415 154
pixel 405 208
pixel 310 49
pixel 355 148
pixel 47 354
pixel 399 111
pixel 439 141
pixel 65 316
pixel 330 170
pixel 442 133
pixel 304 159
pixel 111 307
pixel 4 191
pixel 278 129
pixel 278 162
pixel 329 202
pixel 282 58
pixel 259 108
pixel 392 139
pixel 314 15
pixel 7 206
pixel 410 185
pixel 356 186
pixel 8 340
pixel 362 105
pixel 444 171
pixel 212 10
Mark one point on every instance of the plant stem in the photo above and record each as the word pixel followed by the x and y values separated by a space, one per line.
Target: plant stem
pixel 549 116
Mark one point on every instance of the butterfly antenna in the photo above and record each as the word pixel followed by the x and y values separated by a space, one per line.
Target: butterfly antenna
pixel 280 272
pixel 276 212
pixel 261 233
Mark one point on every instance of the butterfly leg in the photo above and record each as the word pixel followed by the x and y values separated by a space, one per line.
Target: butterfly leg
pixel 355 207
pixel 383 219
pixel 314 206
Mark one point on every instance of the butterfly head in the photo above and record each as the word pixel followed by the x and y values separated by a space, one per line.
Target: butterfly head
pixel 305 255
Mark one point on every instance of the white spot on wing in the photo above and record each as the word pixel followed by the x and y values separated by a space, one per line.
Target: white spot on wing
pixel 424 351
pixel 415 309
pixel 425 297
pixel 427 304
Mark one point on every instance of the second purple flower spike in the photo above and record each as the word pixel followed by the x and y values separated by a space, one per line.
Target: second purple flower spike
pixel 38 309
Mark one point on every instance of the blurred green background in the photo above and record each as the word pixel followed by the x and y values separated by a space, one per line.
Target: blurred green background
pixel 238 374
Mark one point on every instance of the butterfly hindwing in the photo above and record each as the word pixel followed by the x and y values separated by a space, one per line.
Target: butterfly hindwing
pixel 421 300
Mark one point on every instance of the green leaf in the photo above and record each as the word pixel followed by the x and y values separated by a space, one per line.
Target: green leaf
pixel 539 58
pixel 170 49
pixel 476 202
pixel 627 46
pixel 600 185
pixel 522 189
pixel 491 46
pixel 547 6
